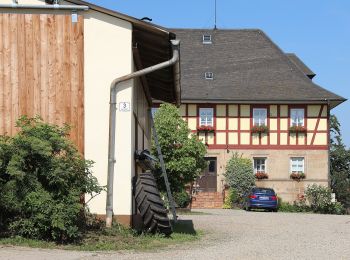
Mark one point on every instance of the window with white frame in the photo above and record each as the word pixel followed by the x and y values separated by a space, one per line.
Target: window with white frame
pixel 259 165
pixel 207 39
pixel 259 116
pixel 206 116
pixel 297 117
pixel 297 164
pixel 209 75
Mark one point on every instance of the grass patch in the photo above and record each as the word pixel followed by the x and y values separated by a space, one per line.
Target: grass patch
pixel 117 238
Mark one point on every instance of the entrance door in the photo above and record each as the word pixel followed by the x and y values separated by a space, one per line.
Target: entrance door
pixel 208 180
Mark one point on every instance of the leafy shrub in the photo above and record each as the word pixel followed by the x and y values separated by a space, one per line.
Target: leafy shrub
pixel 42 179
pixel 239 175
pixel 230 199
pixel 297 206
pixel 320 199
pixel 182 199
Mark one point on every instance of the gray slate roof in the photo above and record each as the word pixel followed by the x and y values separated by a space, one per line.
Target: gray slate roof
pixel 301 65
pixel 247 67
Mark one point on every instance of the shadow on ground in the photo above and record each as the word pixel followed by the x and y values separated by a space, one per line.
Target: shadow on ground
pixel 185 227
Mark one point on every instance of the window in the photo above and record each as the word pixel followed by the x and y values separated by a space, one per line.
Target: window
pixel 297 164
pixel 209 75
pixel 207 39
pixel 297 117
pixel 259 165
pixel 206 116
pixel 259 116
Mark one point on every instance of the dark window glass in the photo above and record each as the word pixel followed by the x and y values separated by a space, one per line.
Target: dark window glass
pixel 212 166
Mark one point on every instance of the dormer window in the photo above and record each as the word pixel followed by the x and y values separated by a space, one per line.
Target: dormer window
pixel 209 75
pixel 207 39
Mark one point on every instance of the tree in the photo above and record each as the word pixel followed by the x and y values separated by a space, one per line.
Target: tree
pixel 183 152
pixel 339 164
pixel 239 175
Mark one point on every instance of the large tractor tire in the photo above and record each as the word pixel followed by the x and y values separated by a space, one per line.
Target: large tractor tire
pixel 151 206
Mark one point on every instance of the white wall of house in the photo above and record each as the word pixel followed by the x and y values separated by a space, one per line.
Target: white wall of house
pixel 108 55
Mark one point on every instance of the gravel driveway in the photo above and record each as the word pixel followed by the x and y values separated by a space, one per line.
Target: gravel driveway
pixel 233 234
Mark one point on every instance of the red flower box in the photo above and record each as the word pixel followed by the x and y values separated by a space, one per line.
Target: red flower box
pixel 258 129
pixel 261 175
pixel 297 176
pixel 297 129
pixel 206 129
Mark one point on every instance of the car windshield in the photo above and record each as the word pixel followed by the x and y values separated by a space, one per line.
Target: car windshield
pixel 265 191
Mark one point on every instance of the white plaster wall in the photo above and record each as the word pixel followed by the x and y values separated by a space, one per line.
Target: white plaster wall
pixel 108 55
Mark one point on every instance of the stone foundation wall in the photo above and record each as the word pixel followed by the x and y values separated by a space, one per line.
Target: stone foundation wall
pixel 278 170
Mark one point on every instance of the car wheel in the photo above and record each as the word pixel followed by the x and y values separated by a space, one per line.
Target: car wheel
pixel 249 208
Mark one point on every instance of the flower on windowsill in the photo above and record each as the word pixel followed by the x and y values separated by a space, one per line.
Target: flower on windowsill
pixel 205 129
pixel 297 176
pixel 261 175
pixel 297 129
pixel 258 129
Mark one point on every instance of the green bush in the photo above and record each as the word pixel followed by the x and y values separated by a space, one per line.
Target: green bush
pixel 182 199
pixel 320 199
pixel 42 179
pixel 239 175
pixel 230 199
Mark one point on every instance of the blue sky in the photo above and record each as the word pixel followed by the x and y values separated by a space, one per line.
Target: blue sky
pixel 318 31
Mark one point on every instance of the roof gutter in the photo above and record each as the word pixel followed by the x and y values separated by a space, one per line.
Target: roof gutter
pixel 46 7
pixel 114 88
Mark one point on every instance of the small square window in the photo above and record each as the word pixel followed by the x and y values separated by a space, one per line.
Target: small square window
pixel 207 39
pixel 209 75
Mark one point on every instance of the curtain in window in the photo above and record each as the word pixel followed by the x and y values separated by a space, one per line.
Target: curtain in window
pixel 259 116
pixel 297 117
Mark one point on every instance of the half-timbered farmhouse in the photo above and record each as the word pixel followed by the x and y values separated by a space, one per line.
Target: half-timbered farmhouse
pixel 242 93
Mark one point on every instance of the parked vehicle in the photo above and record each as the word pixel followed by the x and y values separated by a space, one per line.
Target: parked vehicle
pixel 262 198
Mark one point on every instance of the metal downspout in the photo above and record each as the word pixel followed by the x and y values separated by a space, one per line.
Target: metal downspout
pixel 112 121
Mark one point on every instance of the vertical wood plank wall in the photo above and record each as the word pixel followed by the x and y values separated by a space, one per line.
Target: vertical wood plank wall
pixel 41 71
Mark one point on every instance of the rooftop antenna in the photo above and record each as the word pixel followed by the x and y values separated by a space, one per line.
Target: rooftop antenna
pixel 215 17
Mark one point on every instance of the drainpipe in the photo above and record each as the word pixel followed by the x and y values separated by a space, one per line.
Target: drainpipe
pixel 112 120
pixel 15 5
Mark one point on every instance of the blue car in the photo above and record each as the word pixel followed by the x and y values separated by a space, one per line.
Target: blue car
pixel 262 198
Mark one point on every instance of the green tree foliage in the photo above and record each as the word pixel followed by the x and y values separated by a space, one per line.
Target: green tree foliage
pixel 339 164
pixel 239 175
pixel 42 179
pixel 183 152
